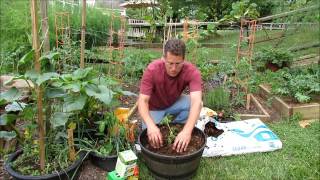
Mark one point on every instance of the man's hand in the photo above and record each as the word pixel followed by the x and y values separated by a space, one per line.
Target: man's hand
pixel 182 141
pixel 155 137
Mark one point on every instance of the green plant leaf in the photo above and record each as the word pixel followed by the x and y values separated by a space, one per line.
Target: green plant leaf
pixel 74 87
pixel 74 103
pixel 32 75
pixel 81 73
pixel 302 98
pixel 103 93
pixel 54 92
pixel 7 135
pixel 106 149
pixel 27 58
pixel 6 119
pixel 28 113
pixel 102 126
pixel 15 106
pixel 45 77
pixel 11 95
pixel 91 89
pixel 66 77
pixel 52 55
pixel 59 119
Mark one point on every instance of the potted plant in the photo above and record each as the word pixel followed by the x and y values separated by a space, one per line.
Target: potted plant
pixel 273 59
pixel 165 163
pixel 24 163
pixel 105 148
pixel 70 105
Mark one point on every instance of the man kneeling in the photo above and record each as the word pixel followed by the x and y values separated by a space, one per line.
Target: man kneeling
pixel 161 90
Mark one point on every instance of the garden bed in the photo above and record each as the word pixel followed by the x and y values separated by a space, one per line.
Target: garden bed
pixel 259 112
pixel 287 107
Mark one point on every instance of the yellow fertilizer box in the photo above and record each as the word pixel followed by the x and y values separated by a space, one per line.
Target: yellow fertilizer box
pixel 126 162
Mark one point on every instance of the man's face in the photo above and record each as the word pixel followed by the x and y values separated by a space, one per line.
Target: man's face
pixel 173 64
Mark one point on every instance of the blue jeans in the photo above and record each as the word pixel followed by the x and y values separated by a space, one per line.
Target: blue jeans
pixel 180 109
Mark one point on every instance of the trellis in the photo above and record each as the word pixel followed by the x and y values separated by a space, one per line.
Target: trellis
pixel 62 27
pixel 121 34
pixel 246 36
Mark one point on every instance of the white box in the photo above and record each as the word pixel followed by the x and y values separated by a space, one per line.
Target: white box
pixel 126 162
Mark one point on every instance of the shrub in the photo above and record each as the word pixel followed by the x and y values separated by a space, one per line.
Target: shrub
pixel 280 57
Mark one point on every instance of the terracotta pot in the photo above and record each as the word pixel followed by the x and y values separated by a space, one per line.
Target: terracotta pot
pixel 272 67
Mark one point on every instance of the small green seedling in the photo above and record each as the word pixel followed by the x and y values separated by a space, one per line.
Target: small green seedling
pixel 173 131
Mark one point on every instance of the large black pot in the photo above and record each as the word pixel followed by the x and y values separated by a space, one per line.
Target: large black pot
pixel 171 167
pixel 72 171
pixel 107 163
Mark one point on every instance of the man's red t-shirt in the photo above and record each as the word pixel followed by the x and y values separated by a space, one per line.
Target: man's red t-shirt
pixel 165 90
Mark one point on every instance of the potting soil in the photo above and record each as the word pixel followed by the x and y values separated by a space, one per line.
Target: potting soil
pixel 238 137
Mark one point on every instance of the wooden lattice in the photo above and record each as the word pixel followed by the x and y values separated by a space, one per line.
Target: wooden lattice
pixel 121 33
pixel 250 28
pixel 246 36
pixel 62 27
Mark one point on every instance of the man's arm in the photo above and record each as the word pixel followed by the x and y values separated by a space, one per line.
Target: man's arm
pixel 183 138
pixel 154 134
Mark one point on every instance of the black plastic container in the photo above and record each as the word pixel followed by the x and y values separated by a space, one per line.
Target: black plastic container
pixel 72 171
pixel 107 163
pixel 171 167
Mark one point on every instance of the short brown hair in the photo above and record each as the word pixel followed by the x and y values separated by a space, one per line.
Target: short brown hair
pixel 175 47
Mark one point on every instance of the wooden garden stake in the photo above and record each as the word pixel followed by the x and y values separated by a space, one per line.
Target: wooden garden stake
pixel 83 33
pixel 45 25
pixel 132 110
pixel 72 152
pixel 185 30
pixel 36 47
pixel 248 101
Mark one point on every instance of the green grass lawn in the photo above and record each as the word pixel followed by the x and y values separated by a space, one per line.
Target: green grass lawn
pixel 299 158
pixel 293 38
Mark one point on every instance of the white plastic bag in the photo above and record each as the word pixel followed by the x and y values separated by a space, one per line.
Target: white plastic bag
pixel 239 137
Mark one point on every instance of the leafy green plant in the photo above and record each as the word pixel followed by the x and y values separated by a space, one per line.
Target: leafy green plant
pixel 299 84
pixel 173 132
pixel 242 9
pixel 116 139
pixel 277 56
pixel 238 99
pixel 67 98
pixel 29 145
pixel 136 60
